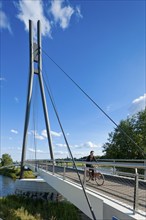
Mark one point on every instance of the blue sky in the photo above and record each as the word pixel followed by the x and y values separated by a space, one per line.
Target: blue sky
pixel 100 44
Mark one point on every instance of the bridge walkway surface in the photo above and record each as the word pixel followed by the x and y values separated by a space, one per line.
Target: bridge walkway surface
pixel 115 187
pixel 117 193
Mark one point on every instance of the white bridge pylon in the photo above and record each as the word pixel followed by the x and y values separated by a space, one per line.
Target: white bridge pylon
pixel 35 54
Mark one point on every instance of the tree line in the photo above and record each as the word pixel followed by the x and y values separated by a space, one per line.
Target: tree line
pixel 120 146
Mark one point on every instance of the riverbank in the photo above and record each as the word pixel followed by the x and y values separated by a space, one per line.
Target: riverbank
pixel 14 173
pixel 16 207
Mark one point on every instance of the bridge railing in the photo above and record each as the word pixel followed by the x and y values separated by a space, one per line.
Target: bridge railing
pixel 124 180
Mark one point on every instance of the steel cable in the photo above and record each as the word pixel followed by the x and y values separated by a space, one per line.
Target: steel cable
pixel 95 104
pixel 68 147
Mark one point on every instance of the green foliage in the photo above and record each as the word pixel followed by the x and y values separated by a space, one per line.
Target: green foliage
pixel 6 160
pixel 14 173
pixel 19 208
pixel 120 146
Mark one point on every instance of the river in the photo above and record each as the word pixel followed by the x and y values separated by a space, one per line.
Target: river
pixel 7 186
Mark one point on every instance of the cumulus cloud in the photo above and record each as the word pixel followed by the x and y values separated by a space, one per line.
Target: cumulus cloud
pixel 108 108
pixel 60 145
pixel 62 14
pixel 4 21
pixel 58 13
pixel 138 104
pixel 2 79
pixel 88 145
pixel 60 153
pixel 37 136
pixel 78 12
pixel 33 10
pixel 56 134
pixel 14 131
pixel 43 134
pixel 37 151
pixel 53 133
pixel 16 99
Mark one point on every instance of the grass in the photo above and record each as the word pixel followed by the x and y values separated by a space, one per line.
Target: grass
pixel 18 208
pixel 14 173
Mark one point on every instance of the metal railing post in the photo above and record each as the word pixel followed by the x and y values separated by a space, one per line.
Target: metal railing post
pixel 135 204
pixel 46 165
pixel 84 178
pixel 53 167
pixel 64 171
pixel 145 170
pixel 114 168
pixel 36 167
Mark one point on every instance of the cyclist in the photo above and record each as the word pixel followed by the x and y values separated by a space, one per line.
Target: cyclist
pixel 91 158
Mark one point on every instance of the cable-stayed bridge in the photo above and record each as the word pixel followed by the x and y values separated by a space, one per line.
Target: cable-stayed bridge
pixel 122 196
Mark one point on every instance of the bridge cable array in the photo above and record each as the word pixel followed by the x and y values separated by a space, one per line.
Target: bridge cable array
pixel 96 105
pixel 68 147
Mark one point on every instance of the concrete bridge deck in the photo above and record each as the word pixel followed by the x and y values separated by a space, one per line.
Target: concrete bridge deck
pixel 118 192
pixel 115 187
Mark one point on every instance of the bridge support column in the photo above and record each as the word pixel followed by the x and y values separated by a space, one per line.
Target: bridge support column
pixel 35 56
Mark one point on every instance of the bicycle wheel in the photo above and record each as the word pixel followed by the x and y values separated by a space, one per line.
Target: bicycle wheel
pixel 99 178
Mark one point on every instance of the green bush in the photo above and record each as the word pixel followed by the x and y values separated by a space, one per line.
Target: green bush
pixel 14 173
pixel 18 208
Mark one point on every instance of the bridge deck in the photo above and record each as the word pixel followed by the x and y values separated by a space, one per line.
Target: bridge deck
pixel 115 187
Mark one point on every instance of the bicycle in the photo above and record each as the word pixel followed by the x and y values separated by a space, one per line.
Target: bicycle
pixel 98 177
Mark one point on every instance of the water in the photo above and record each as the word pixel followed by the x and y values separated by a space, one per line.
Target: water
pixel 7 186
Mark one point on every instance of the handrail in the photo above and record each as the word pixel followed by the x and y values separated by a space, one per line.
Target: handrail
pixel 115 164
pixel 133 182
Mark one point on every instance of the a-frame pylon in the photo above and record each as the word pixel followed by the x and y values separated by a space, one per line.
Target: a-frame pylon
pixel 35 56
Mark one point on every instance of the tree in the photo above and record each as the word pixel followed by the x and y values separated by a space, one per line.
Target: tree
pixel 119 146
pixel 6 160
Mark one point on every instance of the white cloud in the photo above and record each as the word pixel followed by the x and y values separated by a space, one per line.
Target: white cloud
pixel 37 136
pixel 86 145
pixel 60 145
pixel 62 15
pixel 37 151
pixel 78 12
pixel 16 99
pixel 56 134
pixel 4 21
pixel 58 11
pixel 44 133
pixel 138 104
pixel 2 79
pixel 60 153
pixel 79 150
pixel 33 10
pixel 108 108
pixel 14 131
pixel 53 133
